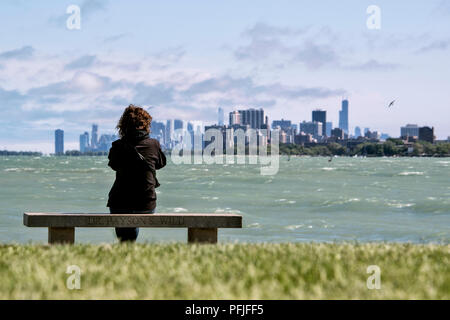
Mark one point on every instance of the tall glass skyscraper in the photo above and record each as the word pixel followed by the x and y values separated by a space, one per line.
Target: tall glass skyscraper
pixel 343 116
pixel 84 142
pixel 169 131
pixel 94 136
pixel 253 117
pixel 320 116
pixel 177 124
pixel 220 116
pixel 59 142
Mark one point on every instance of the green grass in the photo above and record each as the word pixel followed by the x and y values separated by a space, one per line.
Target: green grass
pixel 225 271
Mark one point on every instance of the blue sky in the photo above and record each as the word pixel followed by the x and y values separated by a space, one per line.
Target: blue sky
pixel 187 58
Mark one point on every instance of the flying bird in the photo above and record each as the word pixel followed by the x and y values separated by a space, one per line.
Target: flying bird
pixel 391 104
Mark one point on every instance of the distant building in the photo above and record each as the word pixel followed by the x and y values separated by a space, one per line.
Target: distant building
pixel 177 124
pixel 190 127
pixel 373 135
pixel 366 130
pixel 427 134
pixel 59 142
pixel 84 142
pixel 235 118
pixel 343 116
pixel 338 133
pixel 295 127
pixel 320 116
pixel 287 131
pixel 329 128
pixel 222 129
pixel 169 133
pixel 94 136
pixel 314 128
pixel 384 136
pixel 410 130
pixel 283 124
pixel 358 132
pixel 220 116
pixel 105 142
pixel 303 138
pixel 253 117
pixel 158 132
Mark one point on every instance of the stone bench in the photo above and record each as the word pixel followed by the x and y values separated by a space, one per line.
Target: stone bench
pixel 202 227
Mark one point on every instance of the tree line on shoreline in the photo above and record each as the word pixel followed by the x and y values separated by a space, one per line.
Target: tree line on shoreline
pixel 391 147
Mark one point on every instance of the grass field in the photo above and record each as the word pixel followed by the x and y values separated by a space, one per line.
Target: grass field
pixel 225 271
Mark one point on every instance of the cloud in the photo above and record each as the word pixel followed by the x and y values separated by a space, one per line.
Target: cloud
pixel 160 93
pixel 245 86
pixel 115 38
pixel 82 62
pixel 311 47
pixel 81 83
pixel 11 98
pixel 438 45
pixel 373 65
pixel 259 49
pixel 314 48
pixel 265 40
pixel 442 9
pixel 263 30
pixel 171 54
pixel 315 56
pixel 25 52
pixel 89 7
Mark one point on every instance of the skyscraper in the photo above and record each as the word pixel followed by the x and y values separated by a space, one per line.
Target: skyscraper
pixel 59 142
pixel 253 117
pixel 169 132
pixel 358 132
pixel 315 128
pixel 220 116
pixel 235 118
pixel 343 116
pixel 283 124
pixel 426 134
pixel 177 124
pixel 411 130
pixel 94 136
pixel 320 116
pixel 158 132
pixel 84 142
pixel 329 128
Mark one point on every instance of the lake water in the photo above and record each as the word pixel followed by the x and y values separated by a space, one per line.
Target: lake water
pixel 310 199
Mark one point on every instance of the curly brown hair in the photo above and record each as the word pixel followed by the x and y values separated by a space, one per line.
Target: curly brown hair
pixel 134 118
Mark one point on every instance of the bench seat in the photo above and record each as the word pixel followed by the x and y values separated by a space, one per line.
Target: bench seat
pixel 202 227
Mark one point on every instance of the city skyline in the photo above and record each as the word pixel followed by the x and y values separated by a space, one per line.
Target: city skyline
pixel 288 59
pixel 318 130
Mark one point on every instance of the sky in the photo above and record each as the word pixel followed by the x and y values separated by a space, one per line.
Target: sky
pixel 184 59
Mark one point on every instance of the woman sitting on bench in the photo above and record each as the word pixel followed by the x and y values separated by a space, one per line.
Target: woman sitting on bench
pixel 135 157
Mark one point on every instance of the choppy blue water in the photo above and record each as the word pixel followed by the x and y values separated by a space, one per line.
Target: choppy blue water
pixel 310 199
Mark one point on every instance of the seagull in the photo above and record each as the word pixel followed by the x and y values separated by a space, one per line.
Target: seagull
pixel 391 104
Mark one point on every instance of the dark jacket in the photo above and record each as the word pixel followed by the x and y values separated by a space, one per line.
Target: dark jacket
pixel 135 183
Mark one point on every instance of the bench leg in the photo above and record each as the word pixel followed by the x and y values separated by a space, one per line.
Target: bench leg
pixel 61 235
pixel 202 235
